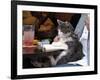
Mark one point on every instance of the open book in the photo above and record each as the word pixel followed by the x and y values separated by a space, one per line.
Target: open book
pixel 55 46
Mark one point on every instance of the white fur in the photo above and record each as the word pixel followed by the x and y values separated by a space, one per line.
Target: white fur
pixel 63 53
pixel 64 37
pixel 69 39
pixel 54 61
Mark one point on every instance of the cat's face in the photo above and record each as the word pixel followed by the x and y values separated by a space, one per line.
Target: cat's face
pixel 65 27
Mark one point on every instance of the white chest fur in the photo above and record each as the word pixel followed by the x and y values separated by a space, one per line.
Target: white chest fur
pixel 64 37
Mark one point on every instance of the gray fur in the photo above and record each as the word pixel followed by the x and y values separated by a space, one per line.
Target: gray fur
pixel 74 51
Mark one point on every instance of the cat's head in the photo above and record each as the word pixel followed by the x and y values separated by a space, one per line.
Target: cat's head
pixel 65 27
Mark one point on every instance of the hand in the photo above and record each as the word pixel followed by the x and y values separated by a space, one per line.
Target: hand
pixel 56 39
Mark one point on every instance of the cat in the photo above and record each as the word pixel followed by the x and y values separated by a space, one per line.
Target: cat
pixel 72 53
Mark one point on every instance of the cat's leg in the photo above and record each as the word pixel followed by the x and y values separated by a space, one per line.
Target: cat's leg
pixel 63 53
pixel 60 56
pixel 52 60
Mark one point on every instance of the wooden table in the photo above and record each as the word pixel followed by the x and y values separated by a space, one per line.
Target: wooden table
pixel 29 49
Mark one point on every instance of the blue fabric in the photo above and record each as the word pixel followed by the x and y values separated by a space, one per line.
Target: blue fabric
pixel 80 25
pixel 67 65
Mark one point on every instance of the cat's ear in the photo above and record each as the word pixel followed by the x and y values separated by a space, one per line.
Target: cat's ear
pixel 60 22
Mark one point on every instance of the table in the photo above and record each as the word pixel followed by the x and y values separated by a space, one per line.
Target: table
pixel 29 49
